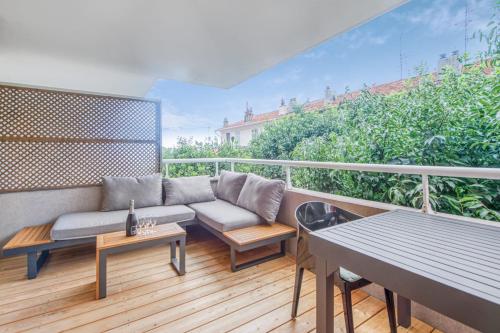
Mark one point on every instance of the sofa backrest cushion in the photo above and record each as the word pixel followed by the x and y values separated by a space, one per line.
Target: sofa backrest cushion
pixel 262 196
pixel 213 184
pixel 118 191
pixel 230 185
pixel 187 190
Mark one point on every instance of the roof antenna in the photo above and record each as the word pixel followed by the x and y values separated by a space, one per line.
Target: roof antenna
pixel 401 56
pixel 465 24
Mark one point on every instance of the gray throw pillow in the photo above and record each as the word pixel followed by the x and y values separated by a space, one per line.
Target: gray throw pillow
pixel 187 190
pixel 118 191
pixel 230 185
pixel 262 196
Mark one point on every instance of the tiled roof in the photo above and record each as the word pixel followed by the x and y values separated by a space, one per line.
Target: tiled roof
pixel 316 105
pixel 256 119
pixel 382 89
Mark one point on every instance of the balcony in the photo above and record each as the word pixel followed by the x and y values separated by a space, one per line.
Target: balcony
pixel 144 294
pixel 73 113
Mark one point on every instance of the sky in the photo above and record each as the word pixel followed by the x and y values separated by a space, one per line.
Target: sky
pixel 412 35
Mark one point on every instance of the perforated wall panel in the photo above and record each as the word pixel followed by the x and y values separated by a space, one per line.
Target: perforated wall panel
pixel 54 139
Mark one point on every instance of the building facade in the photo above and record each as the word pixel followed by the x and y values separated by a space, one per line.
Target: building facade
pixel 243 131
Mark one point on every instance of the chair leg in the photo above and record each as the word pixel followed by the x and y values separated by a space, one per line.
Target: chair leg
pixel 347 301
pixel 391 312
pixel 299 273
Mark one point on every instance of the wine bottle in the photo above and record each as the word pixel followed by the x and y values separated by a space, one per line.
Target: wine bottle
pixel 131 225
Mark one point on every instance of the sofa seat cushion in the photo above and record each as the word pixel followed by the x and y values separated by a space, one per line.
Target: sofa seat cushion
pixel 224 216
pixel 88 224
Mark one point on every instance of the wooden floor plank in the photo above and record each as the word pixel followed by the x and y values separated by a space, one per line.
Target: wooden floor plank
pixel 52 311
pixel 132 269
pixel 129 282
pixel 229 312
pixel 168 309
pixel 280 317
pixel 145 294
pixel 116 310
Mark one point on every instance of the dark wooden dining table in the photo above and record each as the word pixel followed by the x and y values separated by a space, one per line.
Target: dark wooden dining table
pixel 449 265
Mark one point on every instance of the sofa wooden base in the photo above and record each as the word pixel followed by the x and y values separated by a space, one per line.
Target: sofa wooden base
pixel 245 239
pixel 237 267
pixel 36 244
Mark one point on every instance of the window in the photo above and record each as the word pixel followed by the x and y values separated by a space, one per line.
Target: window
pixel 228 137
pixel 255 131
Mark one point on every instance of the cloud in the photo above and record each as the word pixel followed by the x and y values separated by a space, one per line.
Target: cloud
pixel 176 123
pixel 449 15
pixel 174 119
pixel 359 38
pixel 292 75
pixel 314 54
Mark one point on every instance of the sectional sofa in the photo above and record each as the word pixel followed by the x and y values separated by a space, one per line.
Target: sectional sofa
pixel 234 201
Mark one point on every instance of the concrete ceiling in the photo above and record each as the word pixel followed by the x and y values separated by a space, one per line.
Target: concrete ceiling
pixel 123 46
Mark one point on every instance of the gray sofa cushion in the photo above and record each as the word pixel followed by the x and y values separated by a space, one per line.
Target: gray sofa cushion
pixel 230 185
pixel 213 184
pixel 118 191
pixel 224 216
pixel 87 224
pixel 262 196
pixel 187 190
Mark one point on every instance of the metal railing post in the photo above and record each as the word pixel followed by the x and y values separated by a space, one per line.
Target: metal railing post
pixel 426 203
pixel 288 177
pixel 232 166
pixel 165 168
pixel 216 168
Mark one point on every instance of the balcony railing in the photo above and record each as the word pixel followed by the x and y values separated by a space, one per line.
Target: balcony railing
pixel 287 165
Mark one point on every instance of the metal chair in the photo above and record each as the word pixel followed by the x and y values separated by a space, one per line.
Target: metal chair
pixel 312 216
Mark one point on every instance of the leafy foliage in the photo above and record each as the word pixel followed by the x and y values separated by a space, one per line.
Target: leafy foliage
pixel 450 119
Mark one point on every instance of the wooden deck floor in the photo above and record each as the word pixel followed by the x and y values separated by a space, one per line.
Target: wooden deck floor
pixel 145 294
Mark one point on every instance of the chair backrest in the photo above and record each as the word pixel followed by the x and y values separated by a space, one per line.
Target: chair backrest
pixel 316 215
pixel 312 216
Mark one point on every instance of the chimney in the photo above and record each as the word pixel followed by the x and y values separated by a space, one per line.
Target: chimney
pixel 248 113
pixel 226 122
pixel 291 104
pixel 282 108
pixel 328 94
pixel 452 61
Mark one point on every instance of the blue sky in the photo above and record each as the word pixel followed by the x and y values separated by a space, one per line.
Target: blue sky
pixel 370 54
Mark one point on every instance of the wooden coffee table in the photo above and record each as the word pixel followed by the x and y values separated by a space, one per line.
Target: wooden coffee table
pixel 117 242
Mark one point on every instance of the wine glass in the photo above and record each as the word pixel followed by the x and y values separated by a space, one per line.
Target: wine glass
pixel 142 226
pixel 148 225
pixel 153 225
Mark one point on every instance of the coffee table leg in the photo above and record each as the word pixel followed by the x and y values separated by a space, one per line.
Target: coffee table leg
pixel 182 256
pixel 100 274
pixel 179 264
pixel 173 250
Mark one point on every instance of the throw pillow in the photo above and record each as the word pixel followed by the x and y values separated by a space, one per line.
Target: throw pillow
pixel 262 196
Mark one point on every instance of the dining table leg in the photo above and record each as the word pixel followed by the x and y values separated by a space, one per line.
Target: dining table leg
pixel 404 311
pixel 324 297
